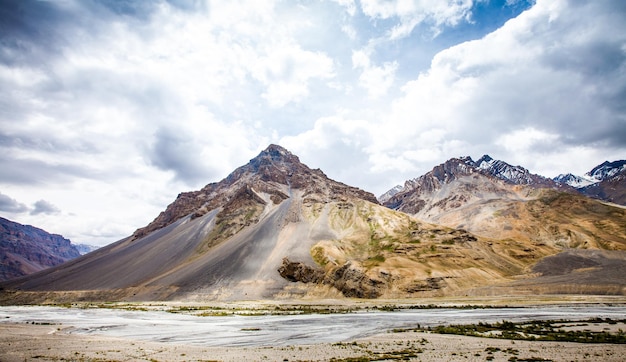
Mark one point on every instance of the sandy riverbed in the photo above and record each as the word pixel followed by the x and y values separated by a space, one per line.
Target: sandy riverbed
pixel 20 342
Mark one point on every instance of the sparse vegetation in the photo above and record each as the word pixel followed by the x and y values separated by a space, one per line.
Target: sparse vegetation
pixel 536 331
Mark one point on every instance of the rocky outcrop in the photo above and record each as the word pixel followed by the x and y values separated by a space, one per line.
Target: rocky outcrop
pixel 426 285
pixel 350 279
pixel 25 249
pixel 300 272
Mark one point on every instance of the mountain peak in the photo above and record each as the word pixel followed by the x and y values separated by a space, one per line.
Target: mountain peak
pixel 273 174
pixel 277 152
pixel 274 154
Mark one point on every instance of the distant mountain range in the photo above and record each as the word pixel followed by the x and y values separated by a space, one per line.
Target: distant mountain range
pixel 274 228
pixel 605 181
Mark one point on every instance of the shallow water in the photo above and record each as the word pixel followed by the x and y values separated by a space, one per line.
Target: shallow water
pixel 277 330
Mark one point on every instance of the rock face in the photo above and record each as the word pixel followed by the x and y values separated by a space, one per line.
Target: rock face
pixel 25 249
pixel 350 279
pixel 483 179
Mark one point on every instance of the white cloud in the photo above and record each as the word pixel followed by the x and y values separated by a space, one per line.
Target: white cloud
pixel 375 79
pixel 520 86
pixel 108 111
pixel 411 13
pixel 349 6
pixel 44 207
pixel 524 140
pixel 286 71
pixel 10 205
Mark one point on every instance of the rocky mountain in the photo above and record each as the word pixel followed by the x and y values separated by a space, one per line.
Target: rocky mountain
pixel 464 166
pixel 229 240
pixel 276 229
pixel 25 249
pixel 606 182
pixel 493 200
pixel 460 181
pixel 389 194
pixel 511 174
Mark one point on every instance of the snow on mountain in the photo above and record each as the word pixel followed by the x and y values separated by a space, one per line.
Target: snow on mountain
pixel 603 172
pixel 607 170
pixel 513 174
pixel 574 181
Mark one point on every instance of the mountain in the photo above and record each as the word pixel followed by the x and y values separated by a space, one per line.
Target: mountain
pixel 574 181
pixel 608 170
pixel 389 194
pixel 493 200
pixel 231 238
pixel 510 174
pixel 276 229
pixel 461 181
pixel 25 249
pixel 606 182
pixel 611 185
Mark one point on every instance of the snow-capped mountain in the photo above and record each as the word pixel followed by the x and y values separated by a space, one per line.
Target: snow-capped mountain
pixel 610 182
pixel 511 174
pixel 607 170
pixel 464 166
pixel 576 182
pixel 461 181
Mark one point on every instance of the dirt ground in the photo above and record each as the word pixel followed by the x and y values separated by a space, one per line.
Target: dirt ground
pixel 22 342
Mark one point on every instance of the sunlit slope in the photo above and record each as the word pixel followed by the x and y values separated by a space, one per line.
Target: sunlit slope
pixel 557 219
pixel 378 252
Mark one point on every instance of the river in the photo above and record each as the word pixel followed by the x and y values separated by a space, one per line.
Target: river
pixel 276 330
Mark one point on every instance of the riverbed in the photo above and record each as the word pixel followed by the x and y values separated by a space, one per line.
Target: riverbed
pixel 276 330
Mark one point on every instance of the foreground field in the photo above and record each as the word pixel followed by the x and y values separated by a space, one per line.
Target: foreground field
pixel 49 343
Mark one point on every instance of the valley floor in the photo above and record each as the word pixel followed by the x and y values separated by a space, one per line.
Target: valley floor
pixel 19 342
pixel 25 341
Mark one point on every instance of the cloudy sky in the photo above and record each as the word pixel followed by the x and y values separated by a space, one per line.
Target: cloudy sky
pixel 110 108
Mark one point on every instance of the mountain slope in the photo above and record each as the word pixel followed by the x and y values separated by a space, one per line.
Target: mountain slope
pixel 25 249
